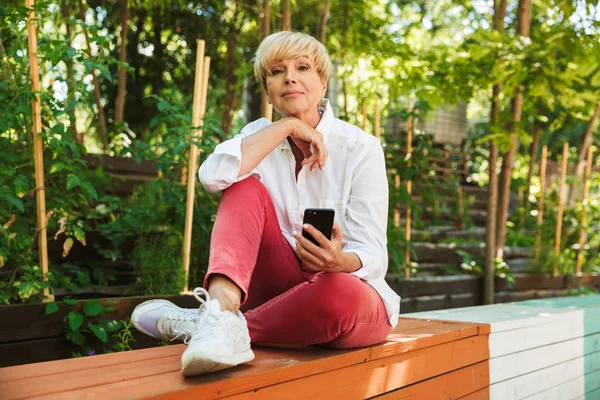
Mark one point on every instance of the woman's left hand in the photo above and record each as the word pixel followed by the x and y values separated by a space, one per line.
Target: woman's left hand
pixel 328 257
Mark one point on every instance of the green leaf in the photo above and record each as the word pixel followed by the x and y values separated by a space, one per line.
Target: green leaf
pixel 51 308
pixel 72 181
pixel 157 119
pixel 12 199
pixel 99 332
pixel 79 235
pixel 21 184
pixel 70 302
pixel 110 325
pixel 77 338
pixel 75 320
pixel 93 308
pixel 89 189
pixel 26 289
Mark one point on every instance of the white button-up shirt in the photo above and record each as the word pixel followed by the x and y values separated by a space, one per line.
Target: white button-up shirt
pixel 353 183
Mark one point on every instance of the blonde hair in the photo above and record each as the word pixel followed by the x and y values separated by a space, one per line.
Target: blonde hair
pixel 283 45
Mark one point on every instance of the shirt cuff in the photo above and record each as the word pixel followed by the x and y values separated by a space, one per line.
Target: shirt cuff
pixel 366 258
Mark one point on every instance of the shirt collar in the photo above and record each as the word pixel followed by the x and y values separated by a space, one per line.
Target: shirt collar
pixel 326 122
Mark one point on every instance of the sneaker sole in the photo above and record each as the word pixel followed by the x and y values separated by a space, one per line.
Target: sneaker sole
pixel 202 363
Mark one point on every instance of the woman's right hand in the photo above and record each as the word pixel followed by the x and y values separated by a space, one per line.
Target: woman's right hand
pixel 310 142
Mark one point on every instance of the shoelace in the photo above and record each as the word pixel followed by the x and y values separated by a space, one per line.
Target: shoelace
pixel 207 315
pixel 174 323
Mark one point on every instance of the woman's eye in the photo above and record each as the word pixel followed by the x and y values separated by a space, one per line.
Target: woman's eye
pixel 303 68
pixel 275 71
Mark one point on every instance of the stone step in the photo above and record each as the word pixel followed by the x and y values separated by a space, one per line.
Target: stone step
pixel 447 253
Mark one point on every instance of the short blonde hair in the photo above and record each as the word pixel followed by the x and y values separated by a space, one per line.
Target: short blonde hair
pixel 283 45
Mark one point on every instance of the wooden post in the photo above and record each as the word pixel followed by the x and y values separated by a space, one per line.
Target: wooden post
pixel 409 127
pixel 540 216
pixel 586 193
pixel 461 205
pixel 38 153
pixel 198 110
pixel 396 206
pixel 521 206
pixel 266 108
pixel 561 201
pixel 377 119
pixel 364 117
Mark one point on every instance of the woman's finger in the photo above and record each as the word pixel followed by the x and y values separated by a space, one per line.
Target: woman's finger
pixel 308 259
pixel 309 246
pixel 310 159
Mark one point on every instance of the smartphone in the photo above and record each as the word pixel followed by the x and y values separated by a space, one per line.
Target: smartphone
pixel 320 218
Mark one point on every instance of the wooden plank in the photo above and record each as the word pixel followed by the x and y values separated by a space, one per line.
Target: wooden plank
pixel 420 338
pixel 451 385
pixel 65 366
pixel 594 394
pixel 27 321
pixel 575 388
pixel 534 382
pixel 430 285
pixel 377 377
pixel 521 363
pixel 438 302
pixel 517 340
pixel 483 394
pixel 504 317
pixel 120 165
pixel 75 378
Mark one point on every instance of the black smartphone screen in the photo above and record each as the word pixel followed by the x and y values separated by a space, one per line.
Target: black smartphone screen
pixel 320 218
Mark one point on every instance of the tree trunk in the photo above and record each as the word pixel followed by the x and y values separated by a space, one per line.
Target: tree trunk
pixel 231 95
pixel 120 104
pixel 323 22
pixel 345 96
pixel 524 23
pixel 585 143
pixel 70 81
pixel 490 253
pixel 5 70
pixel 533 156
pixel 286 15
pixel 267 109
pixel 96 82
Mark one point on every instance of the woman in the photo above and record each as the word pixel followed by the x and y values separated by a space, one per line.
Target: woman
pixel 289 290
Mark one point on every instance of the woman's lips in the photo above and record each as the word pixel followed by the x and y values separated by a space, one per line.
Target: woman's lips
pixel 292 94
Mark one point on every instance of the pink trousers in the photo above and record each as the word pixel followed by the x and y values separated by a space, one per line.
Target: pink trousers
pixel 281 301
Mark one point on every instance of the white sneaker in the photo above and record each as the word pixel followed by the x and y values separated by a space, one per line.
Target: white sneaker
pixel 162 319
pixel 221 339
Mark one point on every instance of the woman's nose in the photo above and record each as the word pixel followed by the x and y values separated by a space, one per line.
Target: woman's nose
pixel 289 77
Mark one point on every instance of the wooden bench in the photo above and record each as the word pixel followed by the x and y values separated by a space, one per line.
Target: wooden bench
pixel 539 349
pixel 422 359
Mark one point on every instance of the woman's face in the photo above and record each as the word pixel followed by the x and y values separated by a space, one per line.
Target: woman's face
pixel 294 87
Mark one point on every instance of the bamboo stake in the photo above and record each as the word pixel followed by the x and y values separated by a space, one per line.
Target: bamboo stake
pixel 266 107
pixel 561 200
pixel 396 206
pixel 377 119
pixel 586 193
pixel 461 205
pixel 409 127
pixel 364 117
pixel 38 153
pixel 521 206
pixel 540 216
pixel 198 111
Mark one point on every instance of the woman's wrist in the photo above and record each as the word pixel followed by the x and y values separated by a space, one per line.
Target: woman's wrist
pixel 349 262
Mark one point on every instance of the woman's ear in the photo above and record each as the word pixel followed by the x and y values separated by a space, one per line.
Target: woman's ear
pixel 324 89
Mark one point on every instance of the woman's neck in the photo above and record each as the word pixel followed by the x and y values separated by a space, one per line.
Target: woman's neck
pixel 311 118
